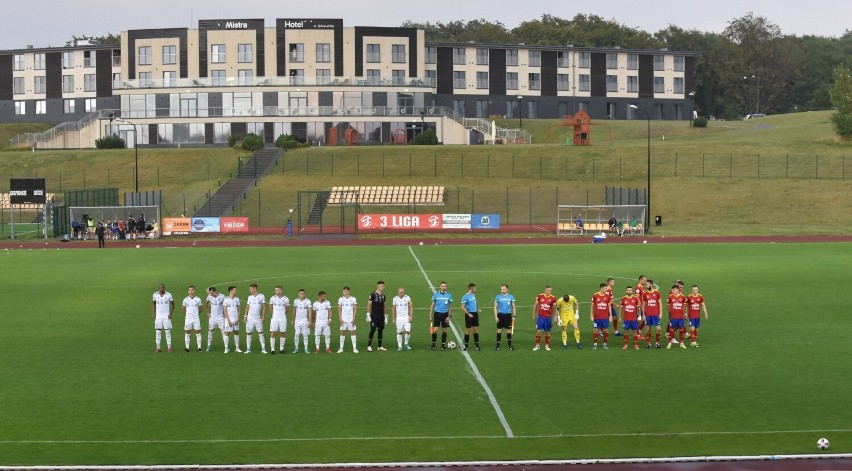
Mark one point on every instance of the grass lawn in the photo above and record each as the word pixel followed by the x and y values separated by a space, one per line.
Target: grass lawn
pixel 83 386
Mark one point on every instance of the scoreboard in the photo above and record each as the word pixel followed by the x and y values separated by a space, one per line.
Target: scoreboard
pixel 27 191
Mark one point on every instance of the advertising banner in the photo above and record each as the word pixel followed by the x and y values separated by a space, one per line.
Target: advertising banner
pixel 397 222
pixel 485 221
pixel 205 224
pixel 456 221
pixel 176 226
pixel 231 225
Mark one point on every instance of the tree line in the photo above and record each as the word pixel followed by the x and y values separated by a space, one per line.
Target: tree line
pixel 750 67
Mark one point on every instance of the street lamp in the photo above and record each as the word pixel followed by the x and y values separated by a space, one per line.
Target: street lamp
pixel 120 121
pixel 520 111
pixel 648 195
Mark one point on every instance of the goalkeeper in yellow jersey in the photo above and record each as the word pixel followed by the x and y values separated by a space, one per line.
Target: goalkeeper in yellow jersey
pixel 568 314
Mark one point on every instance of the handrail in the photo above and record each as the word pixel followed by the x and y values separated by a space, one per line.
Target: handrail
pixel 59 129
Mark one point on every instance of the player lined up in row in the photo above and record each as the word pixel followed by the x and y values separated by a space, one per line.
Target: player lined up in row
pixel 638 308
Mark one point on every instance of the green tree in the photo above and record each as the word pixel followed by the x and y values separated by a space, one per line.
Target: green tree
pixel 841 97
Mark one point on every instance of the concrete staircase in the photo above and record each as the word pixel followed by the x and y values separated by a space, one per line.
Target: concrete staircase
pixel 224 200
pixel 318 208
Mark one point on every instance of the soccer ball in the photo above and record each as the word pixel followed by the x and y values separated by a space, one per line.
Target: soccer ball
pixel 137 246
pixel 452 345
pixel 644 241
pixel 421 243
pixel 823 444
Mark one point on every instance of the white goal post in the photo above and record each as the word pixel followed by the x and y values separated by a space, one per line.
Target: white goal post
pixel 595 219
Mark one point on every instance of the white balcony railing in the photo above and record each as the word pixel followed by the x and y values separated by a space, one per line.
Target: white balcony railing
pixel 203 82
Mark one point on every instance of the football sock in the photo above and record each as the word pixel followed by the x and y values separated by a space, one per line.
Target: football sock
pixel 547 339
pixel 399 340
pixel 443 338
pixel 198 340
pixel 342 341
pixel 328 341
pixel 305 341
pixel 381 331
pixel 636 337
pixel 509 339
pixel 565 337
pixel 370 337
pixel 499 335
pixel 209 337
pixel 169 338
pixel 476 338
pixel 434 337
pixel 605 336
pixel 225 340
pixel 466 339
pixel 158 337
pixel 595 336
pixel 354 342
pixel 648 336
pixel 669 331
pixel 695 335
pixel 317 341
pixel 262 341
pixel 626 339
pixel 248 341
pixel 538 338
pixel 615 324
pixel 576 335
pixel 272 342
pixel 659 333
pixel 407 337
pixel 680 334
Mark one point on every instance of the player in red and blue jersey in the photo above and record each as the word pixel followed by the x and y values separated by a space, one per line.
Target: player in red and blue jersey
pixel 695 301
pixel 677 305
pixel 629 307
pixel 543 317
pixel 640 291
pixel 601 315
pixel 610 285
pixel 651 299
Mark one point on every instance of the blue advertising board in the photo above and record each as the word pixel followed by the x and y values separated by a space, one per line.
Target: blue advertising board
pixel 485 221
pixel 205 225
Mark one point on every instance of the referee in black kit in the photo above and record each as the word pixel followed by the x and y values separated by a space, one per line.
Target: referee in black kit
pixel 377 313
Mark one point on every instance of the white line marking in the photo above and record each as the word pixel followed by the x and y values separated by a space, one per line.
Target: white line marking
pixel 467 357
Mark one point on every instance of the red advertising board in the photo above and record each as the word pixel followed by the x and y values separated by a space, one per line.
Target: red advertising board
pixel 234 225
pixel 399 222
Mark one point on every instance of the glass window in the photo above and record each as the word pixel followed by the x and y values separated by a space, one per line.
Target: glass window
pixel 67 60
pixel 432 77
pixel 297 76
pixel 632 61
pixel 534 59
pixel 511 57
pixel 562 82
pixel 169 55
pixel 90 104
pixel 323 76
pixel 679 63
pixel 482 108
pixel 459 106
pixel 38 84
pixel 145 79
pixel 20 107
pixel 41 107
pixel 511 80
pixel 373 76
pixel 585 60
pixel 144 55
pixel 562 59
pixel 89 59
pixel 323 52
pixel 459 56
pixel 632 83
pixel 611 60
pixel 245 53
pixel 218 78
pixel 511 108
pixel 90 83
pixel 659 62
pixel 398 76
pixel 245 77
pixel 532 109
pixel 38 61
pixel 68 106
pixel 659 85
pixel 678 85
pixel 18 62
pixel 482 80
pixel 67 83
pixel 612 83
pixel 585 83
pixel 169 78
pixel 18 85
pixel 374 53
pixel 459 79
pixel 398 53
pixel 431 55
pixel 534 81
pixel 482 56
pixel 217 53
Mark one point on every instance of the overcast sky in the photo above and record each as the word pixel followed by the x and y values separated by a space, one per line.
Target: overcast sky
pixel 55 22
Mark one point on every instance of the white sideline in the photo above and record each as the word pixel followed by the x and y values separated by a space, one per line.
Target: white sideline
pixel 430 464
pixel 467 357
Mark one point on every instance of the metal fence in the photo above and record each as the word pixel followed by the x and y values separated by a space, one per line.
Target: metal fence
pixel 611 167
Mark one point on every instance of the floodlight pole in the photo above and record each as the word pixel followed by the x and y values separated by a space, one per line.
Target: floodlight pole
pixel 648 194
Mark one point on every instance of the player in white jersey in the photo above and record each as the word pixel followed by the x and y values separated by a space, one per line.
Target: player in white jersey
pixel 232 318
pixel 254 317
pixel 322 321
pixel 192 318
pixel 278 326
pixel 215 316
pixel 347 309
pixel 403 314
pixel 301 320
pixel 162 308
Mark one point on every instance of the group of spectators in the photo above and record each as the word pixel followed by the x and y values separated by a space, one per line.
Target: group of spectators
pixel 133 228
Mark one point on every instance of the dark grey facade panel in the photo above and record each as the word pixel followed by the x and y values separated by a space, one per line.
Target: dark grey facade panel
pixel 53 74
pixel 270 99
pixel 163 103
pixel 103 73
pixel 598 74
pixel 380 99
pixel 269 132
pixel 496 72
pixel 325 99
pixel 238 128
pixel 548 73
pixel 6 91
pixel 646 76
pixel 153 134
pixel 209 133
pixel 179 33
pixel 445 70
pixel 411 50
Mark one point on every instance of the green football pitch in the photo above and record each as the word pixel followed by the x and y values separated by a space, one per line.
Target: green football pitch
pixel 81 383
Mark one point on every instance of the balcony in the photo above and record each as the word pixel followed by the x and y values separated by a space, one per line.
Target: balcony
pixel 203 82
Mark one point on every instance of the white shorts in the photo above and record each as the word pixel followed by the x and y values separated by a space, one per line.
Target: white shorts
pixel 254 323
pixel 232 328
pixel 322 329
pixel 216 323
pixel 302 328
pixel 192 324
pixel 403 324
pixel 278 324
pixel 162 323
pixel 348 325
